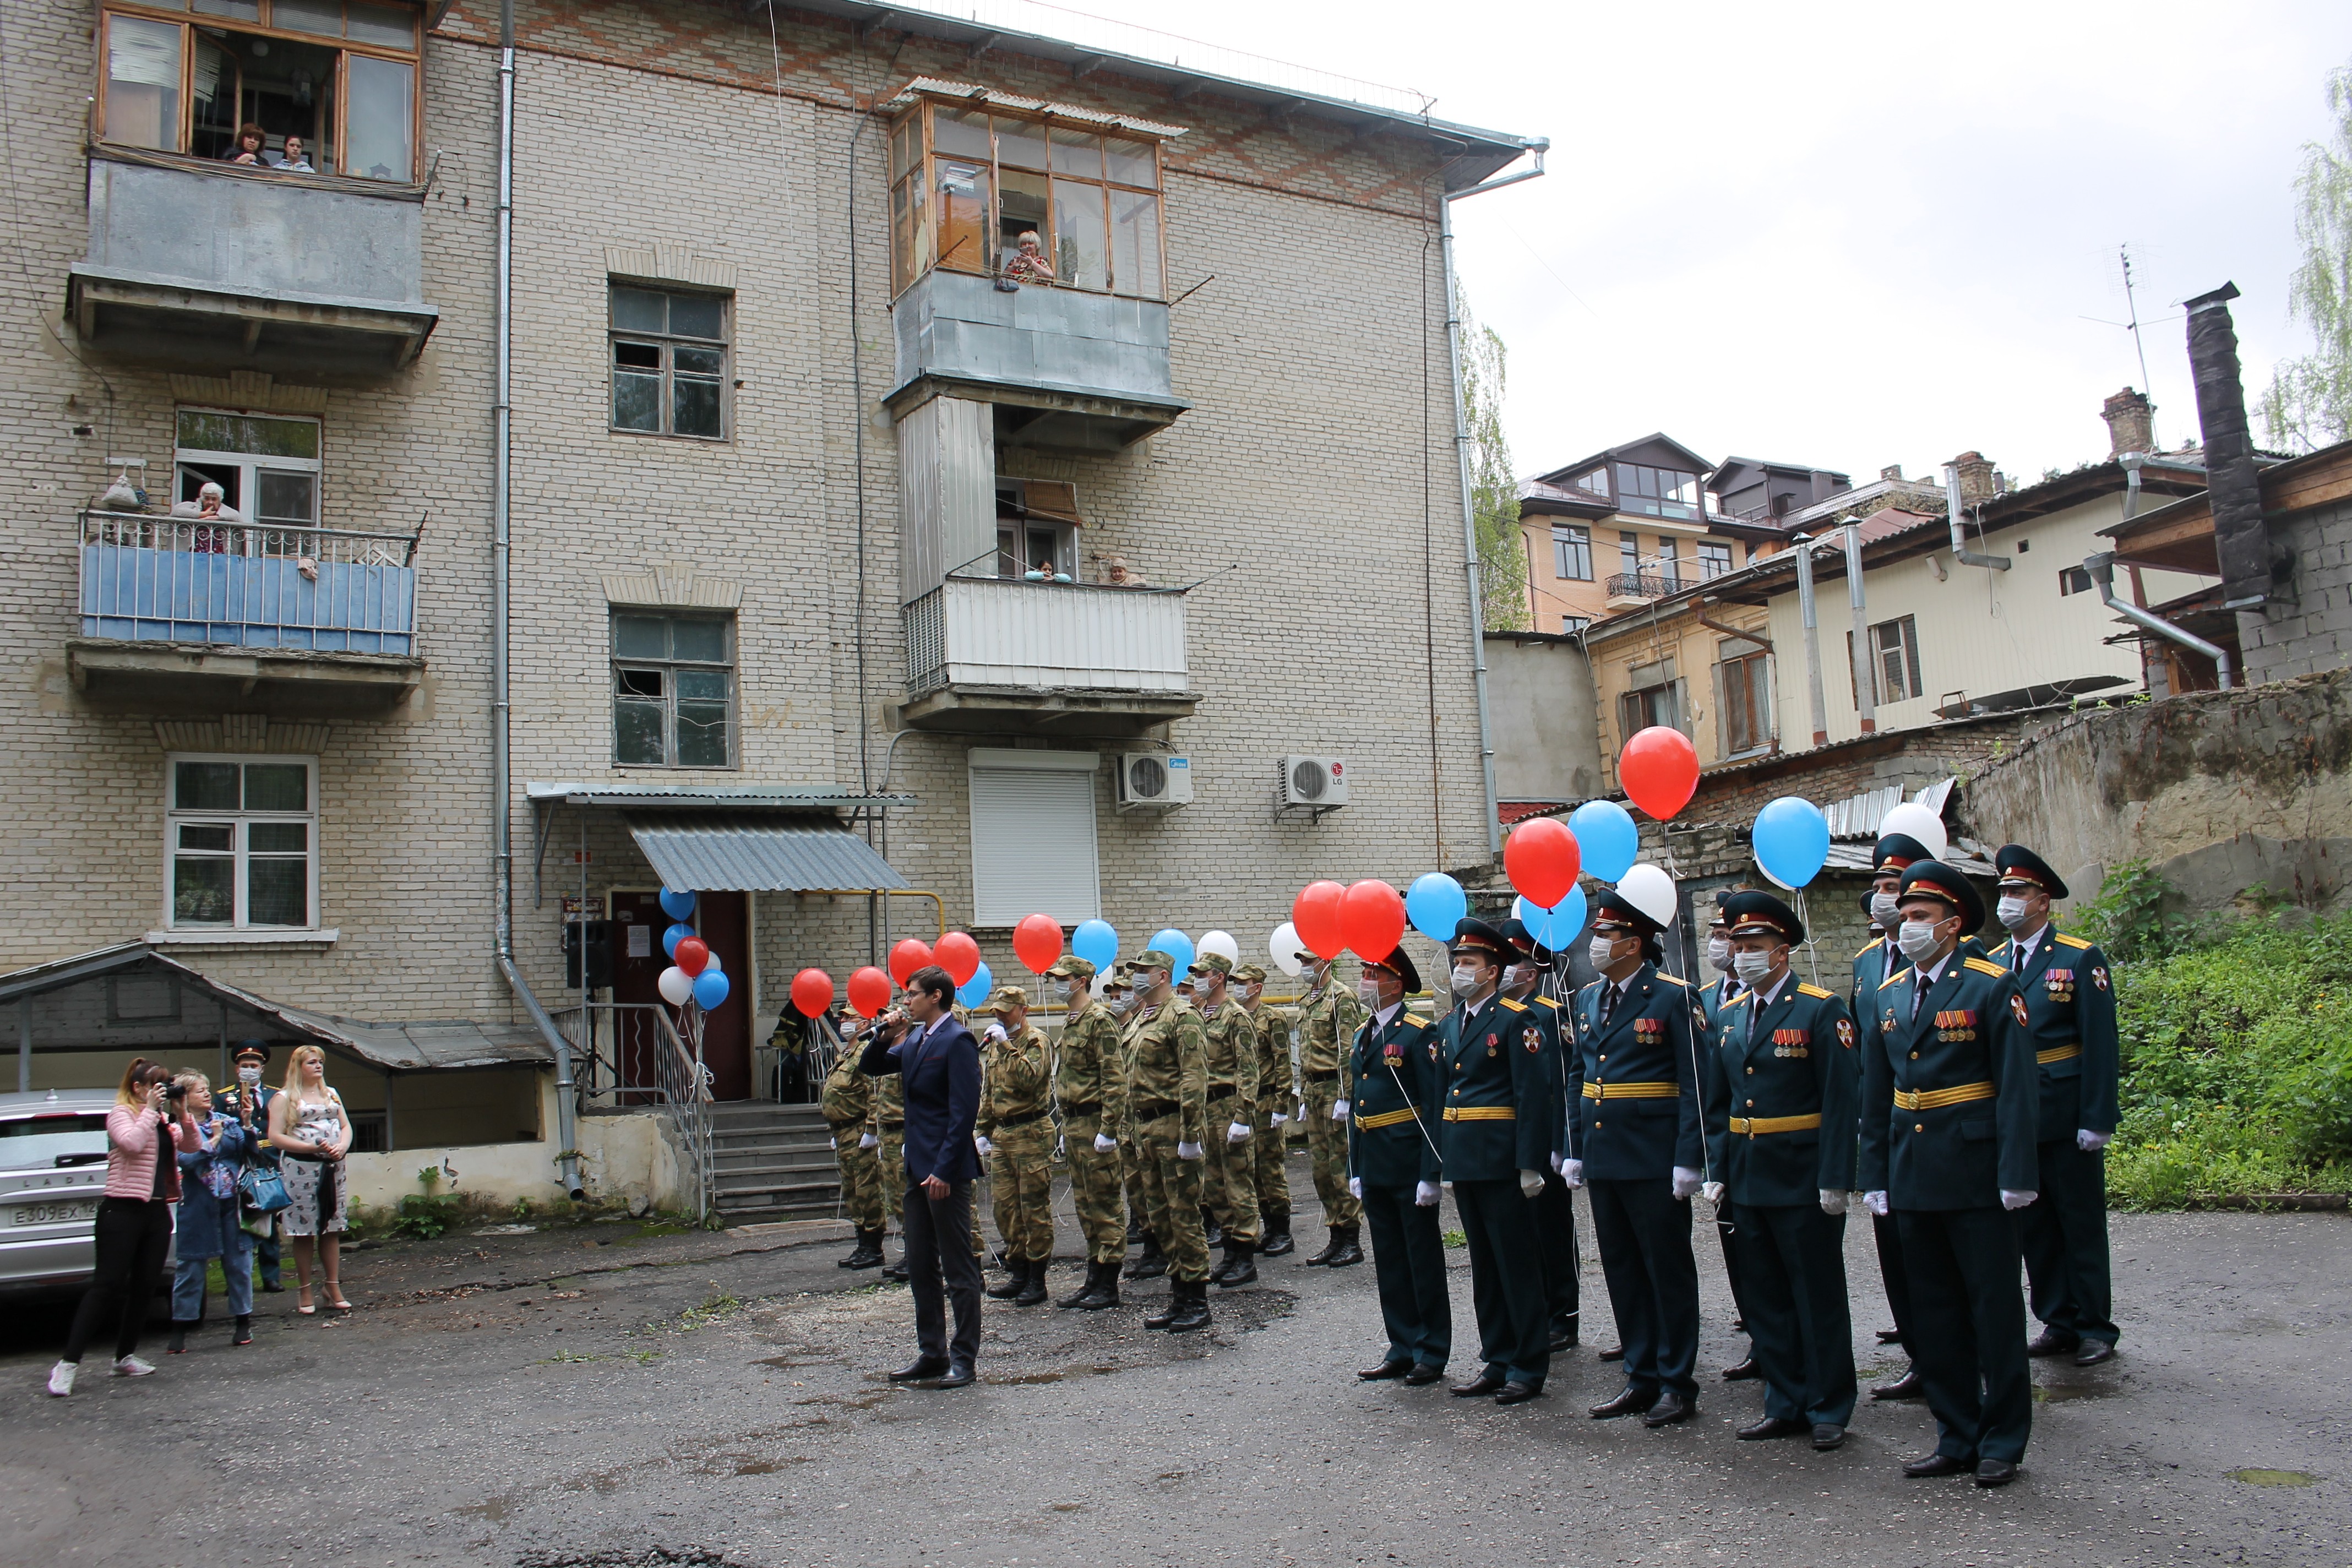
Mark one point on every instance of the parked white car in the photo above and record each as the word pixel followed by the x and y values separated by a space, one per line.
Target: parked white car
pixel 52 1174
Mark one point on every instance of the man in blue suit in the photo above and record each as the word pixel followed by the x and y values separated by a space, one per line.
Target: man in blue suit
pixel 938 1062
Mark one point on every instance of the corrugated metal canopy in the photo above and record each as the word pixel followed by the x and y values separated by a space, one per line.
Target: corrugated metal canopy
pixel 733 852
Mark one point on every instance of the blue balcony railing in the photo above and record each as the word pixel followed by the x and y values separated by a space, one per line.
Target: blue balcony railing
pixel 244 584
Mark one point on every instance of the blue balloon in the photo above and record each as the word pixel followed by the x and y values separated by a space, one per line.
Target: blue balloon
pixel 1792 840
pixel 672 937
pixel 974 991
pixel 710 990
pixel 1176 945
pixel 1606 835
pixel 1097 942
pixel 676 905
pixel 1557 926
pixel 1435 905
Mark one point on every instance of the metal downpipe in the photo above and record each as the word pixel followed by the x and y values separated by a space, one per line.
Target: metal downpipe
pixel 2101 568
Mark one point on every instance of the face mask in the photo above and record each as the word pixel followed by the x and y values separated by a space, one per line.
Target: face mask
pixel 1751 967
pixel 1718 952
pixel 1368 994
pixel 1069 990
pixel 248 1076
pixel 1882 908
pixel 2011 913
pixel 1465 980
pixel 1599 951
pixel 1917 940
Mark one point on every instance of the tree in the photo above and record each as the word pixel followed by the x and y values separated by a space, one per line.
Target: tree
pixel 2309 403
pixel 1494 487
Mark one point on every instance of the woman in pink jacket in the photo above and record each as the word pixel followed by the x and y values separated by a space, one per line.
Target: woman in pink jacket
pixel 144 1133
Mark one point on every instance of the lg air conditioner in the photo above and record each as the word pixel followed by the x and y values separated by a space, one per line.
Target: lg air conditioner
pixel 1154 781
pixel 1319 783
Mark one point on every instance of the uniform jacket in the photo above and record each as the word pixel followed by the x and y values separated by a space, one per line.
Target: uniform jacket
pixel 1971 1053
pixel 259 1150
pixel 1637 1114
pixel 1492 1107
pixel 1275 1080
pixel 1796 1058
pixel 1168 1059
pixel 1560 1074
pixel 1015 1082
pixel 941 1075
pixel 1233 1041
pixel 848 1098
pixel 2070 1006
pixel 1090 1077
pixel 1390 1138
pixel 1870 973
pixel 1327 1020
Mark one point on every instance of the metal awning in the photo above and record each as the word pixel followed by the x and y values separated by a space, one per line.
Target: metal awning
pixel 762 852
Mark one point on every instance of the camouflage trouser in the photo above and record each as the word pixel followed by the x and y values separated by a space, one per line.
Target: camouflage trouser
pixel 1021 1178
pixel 1269 1182
pixel 1172 1187
pixel 1327 1149
pixel 1229 1185
pixel 1130 1168
pixel 861 1179
pixel 894 1187
pixel 1094 1190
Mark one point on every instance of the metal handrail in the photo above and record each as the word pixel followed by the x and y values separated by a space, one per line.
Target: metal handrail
pixel 680 1086
pixel 201 536
pixel 1648 584
pixel 186 578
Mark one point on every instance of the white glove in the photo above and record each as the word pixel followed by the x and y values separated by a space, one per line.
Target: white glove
pixel 1356 1187
pixel 1555 1160
pixel 869 1142
pixel 1236 1134
pixel 994 1032
pixel 1105 1143
pixel 1279 1119
pixel 984 1145
pixel 2014 1201
pixel 1530 1183
pixel 1713 1193
pixel 1188 1151
pixel 1301 1113
pixel 1686 1182
pixel 1832 1203
pixel 1572 1172
pixel 1875 1203
pixel 1424 1194
pixel 2090 1142
pixel 1338 1111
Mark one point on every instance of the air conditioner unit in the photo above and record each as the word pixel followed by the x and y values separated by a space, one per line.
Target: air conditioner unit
pixel 1158 779
pixel 1320 782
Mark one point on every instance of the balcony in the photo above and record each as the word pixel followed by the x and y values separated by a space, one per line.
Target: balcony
pixel 212 268
pixel 316 621
pixel 988 654
pixel 1632 590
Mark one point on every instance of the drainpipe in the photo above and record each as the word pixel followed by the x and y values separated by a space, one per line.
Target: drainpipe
pixel 2101 568
pixel 1866 684
pixel 1803 545
pixel 1462 465
pixel 1952 510
pixel 501 785
pixel 2152 671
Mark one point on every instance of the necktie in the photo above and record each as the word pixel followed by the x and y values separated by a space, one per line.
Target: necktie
pixel 2022 955
pixel 1919 993
pixel 1608 1001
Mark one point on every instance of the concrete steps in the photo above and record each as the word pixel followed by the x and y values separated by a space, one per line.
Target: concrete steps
pixel 771 1160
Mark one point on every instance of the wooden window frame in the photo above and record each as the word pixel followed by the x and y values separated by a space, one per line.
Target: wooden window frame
pixel 1567 538
pixel 240 854
pixel 669 665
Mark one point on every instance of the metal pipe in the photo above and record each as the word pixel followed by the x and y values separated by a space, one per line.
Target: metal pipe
pixel 1865 687
pixel 1803 545
pixel 1952 512
pixel 2101 568
pixel 2152 671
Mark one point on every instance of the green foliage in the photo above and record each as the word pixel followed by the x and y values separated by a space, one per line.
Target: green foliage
pixel 2128 918
pixel 2309 404
pixel 1494 487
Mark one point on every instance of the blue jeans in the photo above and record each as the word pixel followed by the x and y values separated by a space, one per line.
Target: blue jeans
pixel 188 1281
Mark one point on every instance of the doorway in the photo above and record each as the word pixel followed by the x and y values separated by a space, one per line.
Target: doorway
pixel 721 920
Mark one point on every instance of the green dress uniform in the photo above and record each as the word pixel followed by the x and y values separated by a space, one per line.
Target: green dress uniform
pixel 1168 1104
pixel 1713 998
pixel 1555 1204
pixel 1327 1020
pixel 1091 1086
pixel 1872 967
pixel 1015 1116
pixel 1229 1183
pixel 847 1103
pixel 1948 1109
pixel 1277 1099
pixel 1393 1156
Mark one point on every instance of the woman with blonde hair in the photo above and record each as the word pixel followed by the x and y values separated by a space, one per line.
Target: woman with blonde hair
pixel 308 1125
pixel 144 1132
pixel 209 1227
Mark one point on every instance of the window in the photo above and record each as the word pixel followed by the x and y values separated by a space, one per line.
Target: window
pixel 267 468
pixel 2073 580
pixel 1655 698
pixel 673 690
pixel 1571 553
pixel 1033 837
pixel 966 186
pixel 669 363
pixel 1714 560
pixel 1656 492
pixel 1746 698
pixel 242 842
pixel 1669 561
pixel 1894 661
pixel 342 75
pixel 1595 482
pixel 1037 528
pixel 1571 625
pixel 1629 553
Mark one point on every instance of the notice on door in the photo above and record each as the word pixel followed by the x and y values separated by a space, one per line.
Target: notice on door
pixel 641 941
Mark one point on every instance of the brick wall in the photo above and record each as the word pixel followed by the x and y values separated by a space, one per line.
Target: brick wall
pixel 2312 630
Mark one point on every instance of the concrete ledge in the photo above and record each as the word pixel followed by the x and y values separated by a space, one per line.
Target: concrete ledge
pixel 792 1232
pixel 175 672
pixel 975 709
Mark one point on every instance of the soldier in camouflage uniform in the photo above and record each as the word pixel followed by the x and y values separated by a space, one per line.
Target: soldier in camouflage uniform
pixel 1015 1130
pixel 1278 1097
pixel 1229 1185
pixel 1150 1263
pixel 1090 1088
pixel 848 1106
pixel 1168 1105
pixel 1328 1021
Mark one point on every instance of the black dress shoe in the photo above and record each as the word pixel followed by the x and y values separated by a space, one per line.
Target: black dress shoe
pixel 1746 1371
pixel 1936 1465
pixel 1483 1382
pixel 1517 1393
pixel 1890 1336
pixel 2094 1352
pixel 1386 1370
pixel 1631 1402
pixel 1615 1352
pixel 1670 1408
pixel 1910 1385
pixel 1562 1340
pixel 2050 1341
pixel 1771 1426
pixel 1996 1473
pixel 958 1376
pixel 1424 1374
pixel 920 1368
pixel 1826 1436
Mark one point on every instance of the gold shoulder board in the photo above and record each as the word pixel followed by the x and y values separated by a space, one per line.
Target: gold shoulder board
pixel 2074 941
pixel 1514 1007
pixel 1982 967
pixel 1875 944
pixel 1898 974
pixel 1815 991
pixel 1674 980
pixel 1551 1002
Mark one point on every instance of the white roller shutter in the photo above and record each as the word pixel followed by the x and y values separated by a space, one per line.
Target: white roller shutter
pixel 1033 837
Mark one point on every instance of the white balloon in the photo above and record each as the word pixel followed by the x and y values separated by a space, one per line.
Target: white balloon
pixel 711 965
pixel 1649 890
pixel 1286 947
pixel 676 985
pixel 1921 823
pixel 1222 944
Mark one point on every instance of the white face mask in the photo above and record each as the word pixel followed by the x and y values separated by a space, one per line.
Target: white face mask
pixel 1368 994
pixel 1598 950
pixel 1751 967
pixel 248 1076
pixel 1917 940
pixel 1466 979
pixel 1069 990
pixel 1882 908
pixel 2011 913
pixel 1718 952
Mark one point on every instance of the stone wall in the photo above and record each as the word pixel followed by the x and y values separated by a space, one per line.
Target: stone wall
pixel 2311 631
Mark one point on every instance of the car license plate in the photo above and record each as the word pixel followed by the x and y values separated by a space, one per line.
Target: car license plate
pixel 52 1214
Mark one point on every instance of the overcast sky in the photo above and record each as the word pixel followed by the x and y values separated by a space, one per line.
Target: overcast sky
pixel 1845 235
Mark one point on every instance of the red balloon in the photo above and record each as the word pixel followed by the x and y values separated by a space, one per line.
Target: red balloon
pixel 692 954
pixel 1542 859
pixel 905 959
pixel 1316 915
pixel 1659 769
pixel 869 990
pixel 1037 942
pixel 1371 915
pixel 958 955
pixel 811 992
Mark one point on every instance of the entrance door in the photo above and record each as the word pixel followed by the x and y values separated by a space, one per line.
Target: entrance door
pixel 723 921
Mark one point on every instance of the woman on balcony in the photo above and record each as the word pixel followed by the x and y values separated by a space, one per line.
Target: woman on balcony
pixel 249 149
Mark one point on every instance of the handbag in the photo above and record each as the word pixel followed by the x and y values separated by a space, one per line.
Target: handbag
pixel 261 1190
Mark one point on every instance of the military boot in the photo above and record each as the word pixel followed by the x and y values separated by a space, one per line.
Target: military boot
pixel 1331 1246
pixel 1237 1268
pixel 1212 1233
pixel 1277 1234
pixel 897 1271
pixel 1084 1295
pixel 868 1254
pixel 1033 1290
pixel 1344 1249
pixel 1015 1280
pixel 1169 1314
pixel 1192 1308
pixel 1150 1263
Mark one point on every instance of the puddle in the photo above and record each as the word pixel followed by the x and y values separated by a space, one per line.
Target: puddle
pixel 506 1230
pixel 2274 1477
pixel 768 1467
pixel 495 1509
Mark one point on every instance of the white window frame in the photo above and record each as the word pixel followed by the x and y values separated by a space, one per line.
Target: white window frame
pixel 994 906
pixel 249 465
pixel 239 927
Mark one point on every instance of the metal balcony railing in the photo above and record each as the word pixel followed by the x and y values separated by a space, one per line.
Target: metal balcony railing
pixel 149 578
pixel 1648 584
pixel 1009 632
pixel 628 1054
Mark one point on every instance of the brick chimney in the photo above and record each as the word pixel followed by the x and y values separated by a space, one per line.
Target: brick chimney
pixel 1892 472
pixel 2241 536
pixel 2131 423
pixel 1976 478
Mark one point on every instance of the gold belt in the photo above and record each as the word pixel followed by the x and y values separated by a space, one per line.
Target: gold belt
pixel 1481 1113
pixel 1384 1119
pixel 1752 1125
pixel 2058 1054
pixel 1936 1099
pixel 1631 1090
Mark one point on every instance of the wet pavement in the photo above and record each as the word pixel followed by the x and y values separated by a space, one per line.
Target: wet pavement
pixel 626 1394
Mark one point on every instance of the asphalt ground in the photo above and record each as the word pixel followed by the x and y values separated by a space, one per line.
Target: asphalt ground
pixel 623 1394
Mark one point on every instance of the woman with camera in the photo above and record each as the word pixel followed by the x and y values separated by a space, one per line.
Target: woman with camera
pixel 209 1227
pixel 145 1131
pixel 309 1126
